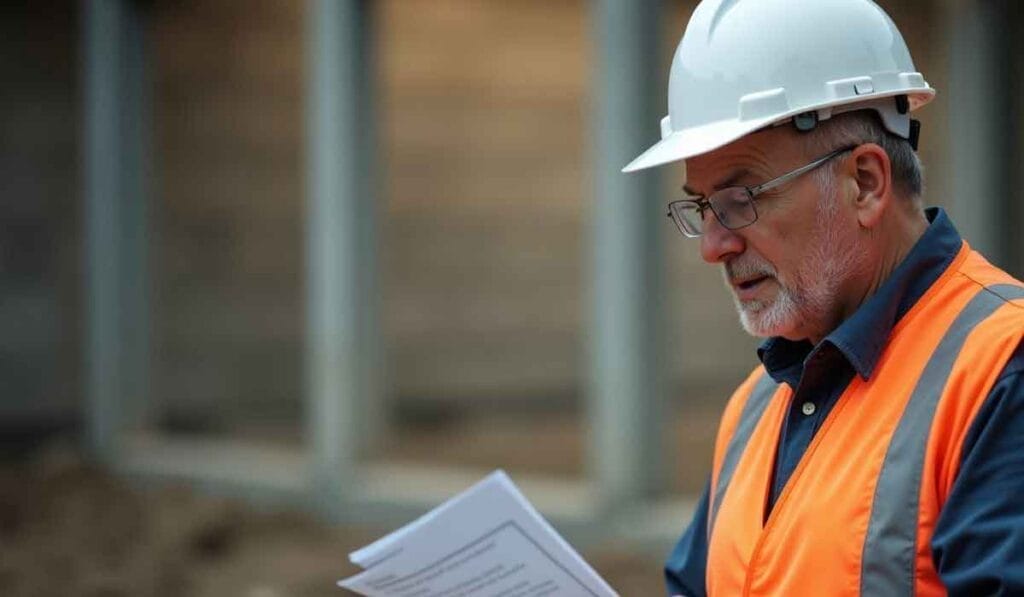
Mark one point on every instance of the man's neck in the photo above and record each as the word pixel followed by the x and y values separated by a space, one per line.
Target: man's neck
pixel 893 242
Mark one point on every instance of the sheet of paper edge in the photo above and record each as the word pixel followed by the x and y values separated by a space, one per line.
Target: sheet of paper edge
pixel 378 551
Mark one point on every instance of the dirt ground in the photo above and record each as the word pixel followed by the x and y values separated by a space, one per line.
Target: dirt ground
pixel 68 529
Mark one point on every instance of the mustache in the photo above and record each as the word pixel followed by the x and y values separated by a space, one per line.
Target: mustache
pixel 745 269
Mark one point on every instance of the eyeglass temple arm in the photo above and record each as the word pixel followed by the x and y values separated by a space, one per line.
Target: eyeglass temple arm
pixel 771 184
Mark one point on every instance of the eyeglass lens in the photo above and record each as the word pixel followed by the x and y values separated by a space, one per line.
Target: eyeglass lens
pixel 733 207
pixel 687 216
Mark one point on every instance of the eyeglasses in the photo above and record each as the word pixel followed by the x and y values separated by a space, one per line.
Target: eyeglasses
pixel 733 206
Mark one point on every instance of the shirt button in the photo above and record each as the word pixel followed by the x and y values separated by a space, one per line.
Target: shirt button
pixel 808 408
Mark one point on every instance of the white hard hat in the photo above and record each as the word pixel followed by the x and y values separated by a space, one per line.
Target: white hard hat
pixel 743 65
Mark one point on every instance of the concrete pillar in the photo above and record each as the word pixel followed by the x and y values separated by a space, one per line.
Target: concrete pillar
pixel 340 276
pixel 981 140
pixel 116 170
pixel 625 380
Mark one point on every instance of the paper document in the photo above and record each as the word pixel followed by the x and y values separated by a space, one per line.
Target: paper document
pixel 488 541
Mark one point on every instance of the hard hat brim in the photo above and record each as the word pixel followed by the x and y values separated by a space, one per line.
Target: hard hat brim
pixel 687 143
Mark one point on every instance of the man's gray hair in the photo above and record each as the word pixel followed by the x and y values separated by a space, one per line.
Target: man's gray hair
pixel 864 126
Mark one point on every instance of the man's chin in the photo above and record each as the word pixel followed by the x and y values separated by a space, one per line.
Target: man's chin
pixel 755 328
pixel 759 319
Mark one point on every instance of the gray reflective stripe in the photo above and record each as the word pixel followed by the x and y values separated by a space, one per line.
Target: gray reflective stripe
pixel 760 396
pixel 887 566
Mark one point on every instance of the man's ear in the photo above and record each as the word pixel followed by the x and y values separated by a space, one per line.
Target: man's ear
pixel 871 171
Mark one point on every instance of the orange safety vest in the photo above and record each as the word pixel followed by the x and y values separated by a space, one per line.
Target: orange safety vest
pixel 857 514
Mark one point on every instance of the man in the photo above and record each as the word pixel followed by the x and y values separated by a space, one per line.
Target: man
pixel 876 450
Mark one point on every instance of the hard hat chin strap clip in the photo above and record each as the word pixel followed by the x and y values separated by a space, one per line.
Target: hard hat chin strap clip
pixel 899 123
pixel 915 133
pixel 903 104
pixel 806 122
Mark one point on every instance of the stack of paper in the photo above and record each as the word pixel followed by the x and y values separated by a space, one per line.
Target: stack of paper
pixel 488 541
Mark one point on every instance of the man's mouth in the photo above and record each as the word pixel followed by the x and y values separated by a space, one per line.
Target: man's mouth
pixel 749 289
pixel 750 282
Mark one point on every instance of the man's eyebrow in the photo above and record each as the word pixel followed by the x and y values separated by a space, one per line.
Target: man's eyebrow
pixel 729 181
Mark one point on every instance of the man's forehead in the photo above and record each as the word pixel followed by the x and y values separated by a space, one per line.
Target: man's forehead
pixel 752 155
pixel 724 167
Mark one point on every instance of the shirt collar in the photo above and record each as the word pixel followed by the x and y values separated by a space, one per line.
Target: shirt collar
pixel 861 338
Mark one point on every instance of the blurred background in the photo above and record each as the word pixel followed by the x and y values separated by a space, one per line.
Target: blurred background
pixel 278 277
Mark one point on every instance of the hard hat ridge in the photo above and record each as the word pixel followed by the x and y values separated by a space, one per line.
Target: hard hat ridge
pixel 719 11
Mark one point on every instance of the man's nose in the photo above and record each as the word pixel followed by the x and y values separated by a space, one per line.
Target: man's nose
pixel 718 243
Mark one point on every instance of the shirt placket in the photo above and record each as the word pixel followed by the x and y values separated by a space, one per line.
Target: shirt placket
pixel 823 378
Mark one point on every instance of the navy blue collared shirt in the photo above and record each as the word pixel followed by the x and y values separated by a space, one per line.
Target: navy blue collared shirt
pixel 978 542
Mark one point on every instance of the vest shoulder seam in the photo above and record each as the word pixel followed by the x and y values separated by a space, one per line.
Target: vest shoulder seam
pixel 990 288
